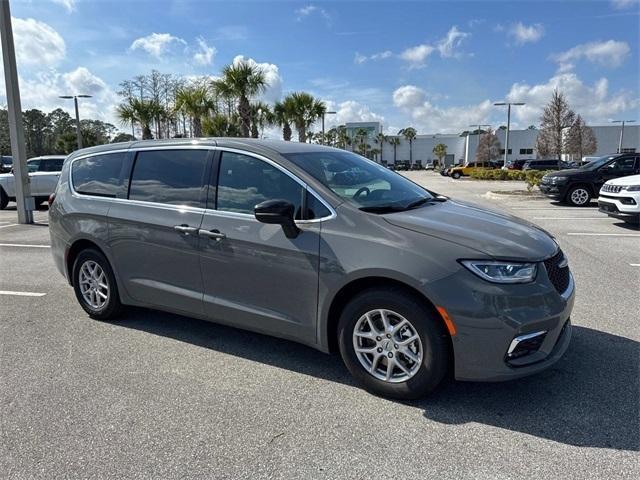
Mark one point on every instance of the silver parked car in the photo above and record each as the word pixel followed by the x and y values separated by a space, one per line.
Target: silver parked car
pixel 317 245
pixel 43 176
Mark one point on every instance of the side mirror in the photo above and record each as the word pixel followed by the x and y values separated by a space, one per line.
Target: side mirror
pixel 277 212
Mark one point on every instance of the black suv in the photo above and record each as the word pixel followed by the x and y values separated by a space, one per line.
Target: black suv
pixel 578 186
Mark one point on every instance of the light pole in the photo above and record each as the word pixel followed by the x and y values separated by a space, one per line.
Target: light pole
pixel 506 140
pixel 75 103
pixel 621 131
pixel 24 201
pixel 323 114
pixel 478 128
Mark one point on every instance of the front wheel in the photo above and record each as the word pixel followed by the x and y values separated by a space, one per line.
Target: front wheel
pixel 4 199
pixel 393 344
pixel 579 196
pixel 456 175
pixel 95 285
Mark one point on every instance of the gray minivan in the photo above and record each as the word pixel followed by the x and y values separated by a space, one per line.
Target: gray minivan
pixel 317 245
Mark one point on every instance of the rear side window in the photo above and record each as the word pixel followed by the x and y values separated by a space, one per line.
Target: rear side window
pixel 51 164
pixel 99 175
pixel 175 177
pixel 33 165
pixel 246 181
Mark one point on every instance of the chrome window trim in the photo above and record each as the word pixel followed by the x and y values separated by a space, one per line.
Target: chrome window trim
pixel 209 211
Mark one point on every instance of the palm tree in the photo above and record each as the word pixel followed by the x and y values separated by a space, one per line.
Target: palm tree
pixel 305 111
pixel 139 111
pixel 380 139
pixel 195 102
pixel 362 135
pixel 261 115
pixel 410 134
pixel 283 117
pixel 395 141
pixel 440 151
pixel 242 81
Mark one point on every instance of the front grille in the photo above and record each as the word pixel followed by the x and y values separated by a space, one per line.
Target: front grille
pixel 557 272
pixel 611 188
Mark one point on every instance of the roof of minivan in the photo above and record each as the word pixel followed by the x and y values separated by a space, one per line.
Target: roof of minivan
pixel 278 146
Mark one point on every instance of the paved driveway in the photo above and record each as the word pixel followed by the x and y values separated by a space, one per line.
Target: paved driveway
pixel 163 396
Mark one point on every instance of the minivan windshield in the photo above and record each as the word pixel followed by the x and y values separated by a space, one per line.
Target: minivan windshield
pixel 368 185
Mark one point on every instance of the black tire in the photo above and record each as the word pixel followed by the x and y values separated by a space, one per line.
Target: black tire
pixel 576 192
pixel 112 307
pixel 4 199
pixel 456 175
pixel 433 336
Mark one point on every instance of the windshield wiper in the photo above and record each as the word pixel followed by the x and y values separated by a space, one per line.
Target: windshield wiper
pixel 388 208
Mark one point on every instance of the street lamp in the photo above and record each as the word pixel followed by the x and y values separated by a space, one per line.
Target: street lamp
pixel 506 140
pixel 323 114
pixel 75 103
pixel 621 131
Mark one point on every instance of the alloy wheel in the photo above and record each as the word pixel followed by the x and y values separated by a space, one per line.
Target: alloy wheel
pixel 94 285
pixel 579 196
pixel 387 345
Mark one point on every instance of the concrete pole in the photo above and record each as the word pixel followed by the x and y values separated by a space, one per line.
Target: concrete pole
pixel 322 139
pixel 506 140
pixel 78 131
pixel 621 137
pixel 24 200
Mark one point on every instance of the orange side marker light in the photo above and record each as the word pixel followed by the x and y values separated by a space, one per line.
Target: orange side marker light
pixel 451 327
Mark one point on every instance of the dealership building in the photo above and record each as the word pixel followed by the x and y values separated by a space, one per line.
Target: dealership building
pixel 461 148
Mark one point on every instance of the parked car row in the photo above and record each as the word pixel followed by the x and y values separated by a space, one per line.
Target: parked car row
pixel 613 179
pixel 43 175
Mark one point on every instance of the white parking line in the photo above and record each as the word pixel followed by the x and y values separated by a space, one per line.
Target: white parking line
pixel 10 225
pixel 572 218
pixel 22 294
pixel 22 245
pixel 588 234
pixel 634 264
pixel 543 208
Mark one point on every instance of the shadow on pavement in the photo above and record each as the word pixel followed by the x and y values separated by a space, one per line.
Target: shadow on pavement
pixel 590 398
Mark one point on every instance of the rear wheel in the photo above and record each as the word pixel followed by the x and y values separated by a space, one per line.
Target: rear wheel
pixel 393 344
pixel 4 199
pixel 578 196
pixel 95 285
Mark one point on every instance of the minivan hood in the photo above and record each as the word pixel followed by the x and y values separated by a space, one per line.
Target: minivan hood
pixel 496 234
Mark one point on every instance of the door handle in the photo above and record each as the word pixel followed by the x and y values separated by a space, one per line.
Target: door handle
pixel 186 229
pixel 215 234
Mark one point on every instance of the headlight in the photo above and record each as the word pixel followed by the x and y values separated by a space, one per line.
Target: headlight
pixel 559 179
pixel 502 272
pixel 632 188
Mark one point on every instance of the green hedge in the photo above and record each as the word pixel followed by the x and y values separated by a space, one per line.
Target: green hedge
pixel 532 177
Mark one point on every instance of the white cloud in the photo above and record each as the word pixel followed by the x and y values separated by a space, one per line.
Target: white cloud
pixel 349 111
pixel 272 76
pixel 417 55
pixel 623 4
pixel 360 59
pixel 309 10
pixel 69 5
pixel 82 81
pixel 156 44
pixel 594 102
pixel 446 47
pixel 448 44
pixel 526 33
pixel 611 53
pixel 205 53
pixel 37 43
pixel 429 118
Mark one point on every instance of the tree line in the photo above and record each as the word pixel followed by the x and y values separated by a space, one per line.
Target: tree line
pixel 55 132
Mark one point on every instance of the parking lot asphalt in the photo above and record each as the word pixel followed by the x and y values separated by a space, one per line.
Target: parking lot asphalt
pixel 162 396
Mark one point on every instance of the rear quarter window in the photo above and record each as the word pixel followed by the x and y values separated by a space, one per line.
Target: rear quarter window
pixel 99 175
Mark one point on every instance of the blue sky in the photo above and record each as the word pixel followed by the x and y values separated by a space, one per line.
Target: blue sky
pixel 435 65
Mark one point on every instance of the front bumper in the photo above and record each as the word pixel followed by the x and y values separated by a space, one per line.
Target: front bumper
pixel 553 191
pixel 492 316
pixel 615 208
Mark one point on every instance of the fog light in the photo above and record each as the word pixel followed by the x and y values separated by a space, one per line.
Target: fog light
pixel 525 344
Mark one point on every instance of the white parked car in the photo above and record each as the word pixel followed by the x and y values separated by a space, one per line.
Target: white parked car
pixel 620 198
pixel 43 175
